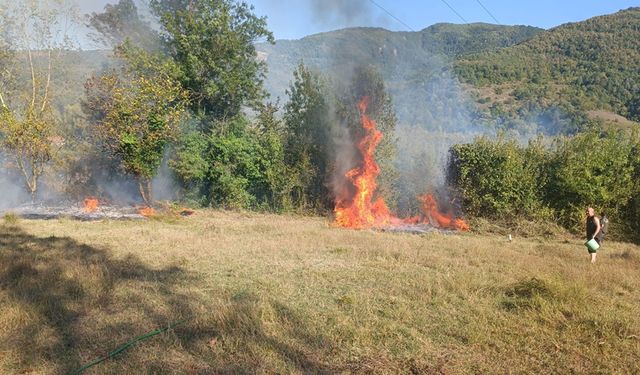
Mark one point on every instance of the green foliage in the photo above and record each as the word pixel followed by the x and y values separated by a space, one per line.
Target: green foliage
pixel 591 169
pixel 498 178
pixel 501 179
pixel 27 139
pixel 212 42
pixel 580 66
pixel 137 114
pixel 240 167
pixel 308 141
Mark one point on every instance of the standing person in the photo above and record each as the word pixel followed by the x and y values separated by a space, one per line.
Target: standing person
pixel 604 227
pixel 593 228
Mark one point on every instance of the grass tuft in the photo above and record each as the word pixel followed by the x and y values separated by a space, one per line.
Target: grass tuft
pixel 10 218
pixel 528 294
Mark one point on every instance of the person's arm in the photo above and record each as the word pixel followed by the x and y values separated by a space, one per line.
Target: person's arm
pixel 597 221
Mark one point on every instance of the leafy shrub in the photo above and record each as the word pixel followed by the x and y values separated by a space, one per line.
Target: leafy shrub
pixel 498 178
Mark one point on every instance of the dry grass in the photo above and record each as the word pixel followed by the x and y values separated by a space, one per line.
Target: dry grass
pixel 284 294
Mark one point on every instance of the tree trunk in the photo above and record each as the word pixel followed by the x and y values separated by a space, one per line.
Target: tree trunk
pixel 33 188
pixel 143 194
pixel 144 186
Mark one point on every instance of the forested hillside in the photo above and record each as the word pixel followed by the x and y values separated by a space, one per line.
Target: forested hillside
pixel 519 77
pixel 573 68
pixel 413 64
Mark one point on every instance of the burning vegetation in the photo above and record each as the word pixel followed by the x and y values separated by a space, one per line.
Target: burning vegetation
pixel 364 210
pixel 90 205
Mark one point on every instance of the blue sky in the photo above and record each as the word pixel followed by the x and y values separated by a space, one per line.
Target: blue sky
pixel 295 19
pixel 292 19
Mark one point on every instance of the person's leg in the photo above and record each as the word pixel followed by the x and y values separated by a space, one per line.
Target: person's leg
pixel 593 257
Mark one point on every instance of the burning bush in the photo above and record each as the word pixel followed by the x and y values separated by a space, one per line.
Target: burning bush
pixel 363 209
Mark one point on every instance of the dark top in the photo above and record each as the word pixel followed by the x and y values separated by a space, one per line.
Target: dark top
pixel 591 226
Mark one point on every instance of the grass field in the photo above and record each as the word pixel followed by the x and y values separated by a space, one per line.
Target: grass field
pixel 285 294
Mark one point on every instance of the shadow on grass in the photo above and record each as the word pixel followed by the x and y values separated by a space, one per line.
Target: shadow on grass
pixel 64 299
pixel 251 335
pixel 66 303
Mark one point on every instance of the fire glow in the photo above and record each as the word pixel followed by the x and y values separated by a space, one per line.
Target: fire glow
pixel 147 211
pixel 362 210
pixel 90 205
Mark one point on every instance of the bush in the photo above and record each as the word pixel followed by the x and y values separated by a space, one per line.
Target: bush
pixel 590 169
pixel 499 178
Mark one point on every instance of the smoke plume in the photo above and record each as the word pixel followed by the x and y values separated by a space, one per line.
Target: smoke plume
pixel 341 13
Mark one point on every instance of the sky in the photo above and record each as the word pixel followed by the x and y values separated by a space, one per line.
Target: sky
pixel 294 19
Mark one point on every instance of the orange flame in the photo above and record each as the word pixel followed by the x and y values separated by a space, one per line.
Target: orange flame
pixel 90 205
pixel 147 211
pixel 362 210
pixel 436 218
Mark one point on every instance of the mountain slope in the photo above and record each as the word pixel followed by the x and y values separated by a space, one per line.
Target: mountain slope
pixel 585 66
pixel 411 62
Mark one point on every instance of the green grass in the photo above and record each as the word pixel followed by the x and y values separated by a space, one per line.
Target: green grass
pixel 284 294
pixel 10 218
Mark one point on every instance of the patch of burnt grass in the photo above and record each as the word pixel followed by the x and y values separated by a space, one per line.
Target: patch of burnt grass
pixel 624 255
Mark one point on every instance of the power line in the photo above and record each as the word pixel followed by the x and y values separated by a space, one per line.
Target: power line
pixel 392 16
pixel 454 11
pixel 489 13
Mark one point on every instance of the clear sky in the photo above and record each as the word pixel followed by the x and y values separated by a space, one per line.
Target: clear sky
pixel 295 19
pixel 292 19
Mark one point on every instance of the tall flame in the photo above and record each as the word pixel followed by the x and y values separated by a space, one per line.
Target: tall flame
pixel 362 210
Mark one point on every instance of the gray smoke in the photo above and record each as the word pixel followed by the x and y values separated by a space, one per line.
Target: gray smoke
pixel 12 192
pixel 345 13
pixel 164 185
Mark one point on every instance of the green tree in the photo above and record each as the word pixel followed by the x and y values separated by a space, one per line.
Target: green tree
pixel 591 169
pixel 119 22
pixel 137 113
pixel 213 43
pixel 32 43
pixel 498 178
pixel 308 139
pixel 236 165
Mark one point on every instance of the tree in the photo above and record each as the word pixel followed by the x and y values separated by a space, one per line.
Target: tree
pixel 119 22
pixel 137 113
pixel 33 43
pixel 236 164
pixel 212 41
pixel 308 139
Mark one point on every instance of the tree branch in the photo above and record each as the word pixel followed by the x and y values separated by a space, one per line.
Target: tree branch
pixel 46 88
pixel 33 77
